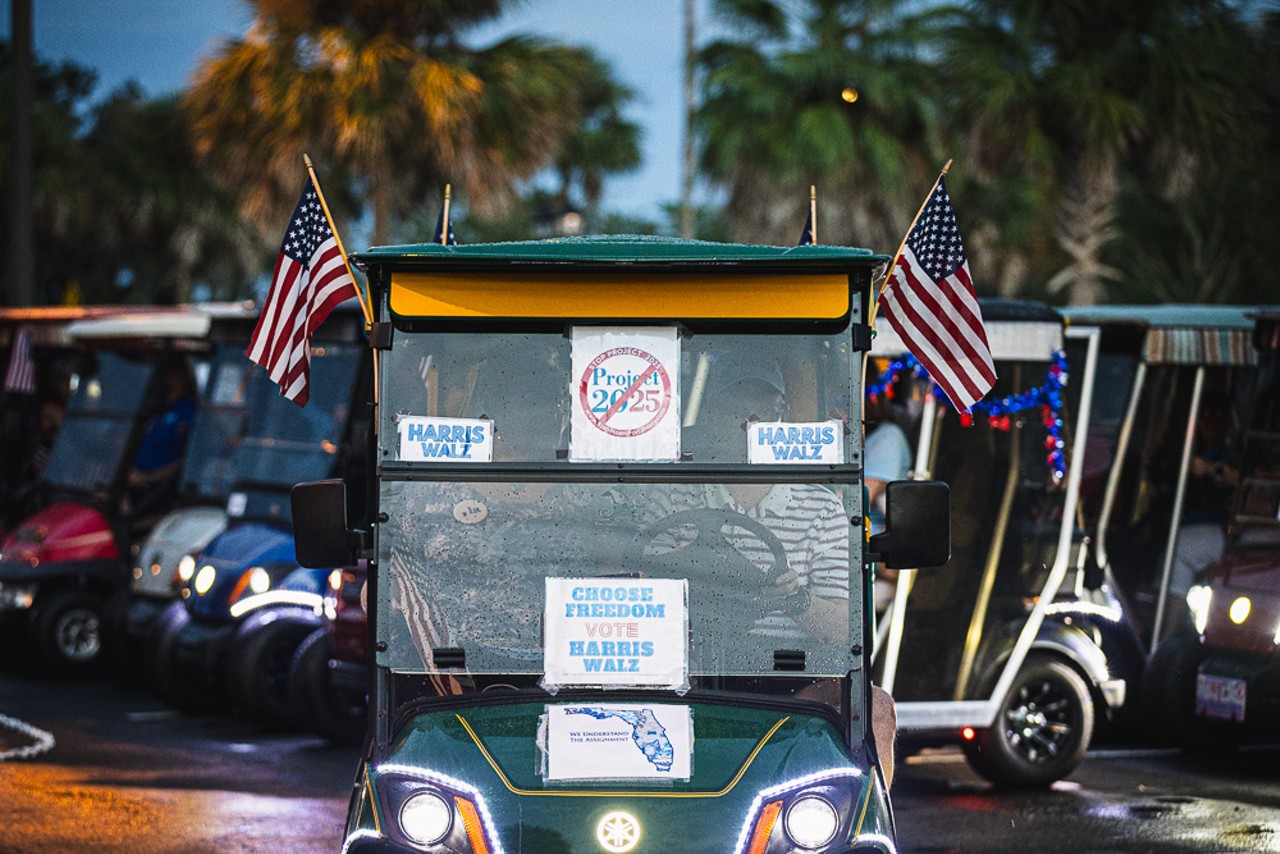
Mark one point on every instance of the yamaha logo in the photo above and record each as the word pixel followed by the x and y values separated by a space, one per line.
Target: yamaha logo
pixel 617 832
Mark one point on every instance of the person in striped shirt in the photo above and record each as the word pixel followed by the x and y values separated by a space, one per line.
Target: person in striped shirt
pixel 807 596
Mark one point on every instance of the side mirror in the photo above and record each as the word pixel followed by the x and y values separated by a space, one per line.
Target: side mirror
pixel 917 525
pixel 320 534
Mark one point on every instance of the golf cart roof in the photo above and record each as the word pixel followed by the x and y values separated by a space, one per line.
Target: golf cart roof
pixel 621 277
pixel 1165 316
pixel 1181 334
pixel 184 321
pixel 621 249
pixel 1017 330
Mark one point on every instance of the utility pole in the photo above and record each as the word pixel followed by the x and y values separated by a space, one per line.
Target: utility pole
pixel 22 251
pixel 686 183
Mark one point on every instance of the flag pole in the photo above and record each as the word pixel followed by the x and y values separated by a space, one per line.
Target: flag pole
pixel 875 303
pixel 813 214
pixel 444 216
pixel 363 300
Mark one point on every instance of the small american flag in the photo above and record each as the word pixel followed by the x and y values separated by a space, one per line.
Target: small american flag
pixel 20 378
pixel 310 279
pixel 929 301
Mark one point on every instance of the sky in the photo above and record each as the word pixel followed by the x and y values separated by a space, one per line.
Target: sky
pixel 158 43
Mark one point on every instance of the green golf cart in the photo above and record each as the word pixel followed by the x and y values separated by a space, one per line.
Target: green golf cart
pixel 618 586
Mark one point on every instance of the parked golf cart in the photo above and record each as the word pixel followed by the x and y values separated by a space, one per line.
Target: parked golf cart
pixel 1219 679
pixel 38 360
pixel 1159 509
pixel 166 560
pixel 132 395
pixel 1004 650
pixel 247 605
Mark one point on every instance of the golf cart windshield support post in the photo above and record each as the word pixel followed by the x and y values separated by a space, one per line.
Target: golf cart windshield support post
pixel 1179 499
pixel 1113 477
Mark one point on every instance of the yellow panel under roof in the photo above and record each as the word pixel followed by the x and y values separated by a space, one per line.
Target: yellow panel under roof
pixel 637 295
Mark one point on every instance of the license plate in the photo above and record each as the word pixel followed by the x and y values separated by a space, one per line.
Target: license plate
pixel 1220 697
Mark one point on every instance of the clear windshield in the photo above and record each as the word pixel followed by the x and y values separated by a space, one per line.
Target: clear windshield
pixel 531 389
pixel 218 426
pixel 1142 514
pixel 766 566
pixel 508 568
pixel 1006 514
pixel 286 443
pixel 107 395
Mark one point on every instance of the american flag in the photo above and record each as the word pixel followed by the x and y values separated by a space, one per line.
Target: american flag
pixel 929 301
pixel 310 279
pixel 20 378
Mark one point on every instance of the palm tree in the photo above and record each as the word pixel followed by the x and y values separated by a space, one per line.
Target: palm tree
pixel 824 92
pixel 383 94
pixel 1070 95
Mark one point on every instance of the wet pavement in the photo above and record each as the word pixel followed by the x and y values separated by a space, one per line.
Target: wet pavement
pixel 1121 799
pixel 126 774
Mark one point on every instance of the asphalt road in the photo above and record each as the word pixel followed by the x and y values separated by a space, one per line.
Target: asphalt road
pixel 1121 799
pixel 127 774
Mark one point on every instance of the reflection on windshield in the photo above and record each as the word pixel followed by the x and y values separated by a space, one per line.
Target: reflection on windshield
pixel 218 426
pixel 286 443
pixel 767 568
pixel 108 395
pixel 524 385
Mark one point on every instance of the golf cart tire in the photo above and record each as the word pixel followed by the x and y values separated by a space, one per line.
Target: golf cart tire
pixel 258 665
pixel 118 654
pixel 334 713
pixel 1006 756
pixel 68 631
pixel 1169 692
pixel 185 691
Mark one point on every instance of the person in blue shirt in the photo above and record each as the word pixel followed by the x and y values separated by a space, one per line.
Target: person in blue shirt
pixel 887 457
pixel 158 462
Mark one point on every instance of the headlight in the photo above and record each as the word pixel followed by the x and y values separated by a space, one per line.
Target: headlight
pixel 259 580
pixel 425 818
pixel 17 597
pixel 204 579
pixel 1199 597
pixel 1239 611
pixel 436 809
pixel 805 812
pixel 811 822
pixel 186 568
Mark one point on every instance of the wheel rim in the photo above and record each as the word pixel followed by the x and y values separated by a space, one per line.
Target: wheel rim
pixel 1040 724
pixel 78 634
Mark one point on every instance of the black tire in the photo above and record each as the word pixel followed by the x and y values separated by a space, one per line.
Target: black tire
pixel 1041 731
pixel 193 693
pixel 119 655
pixel 67 629
pixel 1169 687
pixel 258 665
pixel 336 714
pixel 1169 697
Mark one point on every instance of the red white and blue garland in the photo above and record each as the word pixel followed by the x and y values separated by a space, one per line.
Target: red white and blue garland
pixel 1047 397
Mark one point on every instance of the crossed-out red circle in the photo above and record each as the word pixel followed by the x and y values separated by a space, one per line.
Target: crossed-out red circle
pixel 655 366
